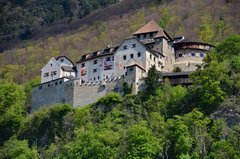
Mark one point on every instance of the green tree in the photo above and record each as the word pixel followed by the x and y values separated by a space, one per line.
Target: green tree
pixel 16 149
pixel 206 32
pixel 12 109
pixel 126 88
pixel 152 81
pixel 45 125
pixel 142 143
pixel 165 17
pixel 229 47
pixel 90 144
pixel 223 149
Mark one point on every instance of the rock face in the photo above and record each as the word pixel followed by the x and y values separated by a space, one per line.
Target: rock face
pixel 230 111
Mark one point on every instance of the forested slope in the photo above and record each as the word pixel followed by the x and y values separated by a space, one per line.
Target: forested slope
pixel 209 21
pixel 162 121
pixel 19 19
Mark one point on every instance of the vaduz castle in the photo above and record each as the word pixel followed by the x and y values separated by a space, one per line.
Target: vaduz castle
pixel 98 73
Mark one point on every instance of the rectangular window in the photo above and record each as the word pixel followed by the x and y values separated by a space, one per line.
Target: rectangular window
pixel 154 59
pixel 139 54
pixel 83 65
pixel 46 74
pixel 98 77
pixel 54 73
pixel 95 62
pixel 193 54
pixel 108 59
pixel 56 83
pixel 124 57
pixel 94 70
pixel 131 56
pixel 60 82
pixel 133 45
pixel 113 58
pixel 40 87
pixel 94 78
pixel 150 56
pixel 125 47
pixel 201 55
pixel 131 69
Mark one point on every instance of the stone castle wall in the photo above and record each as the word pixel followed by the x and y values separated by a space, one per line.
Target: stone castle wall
pixel 73 92
pixel 50 93
pixel 89 93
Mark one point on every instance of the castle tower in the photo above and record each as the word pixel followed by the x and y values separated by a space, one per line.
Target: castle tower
pixel 157 39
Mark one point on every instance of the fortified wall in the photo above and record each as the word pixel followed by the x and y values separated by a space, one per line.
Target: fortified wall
pixel 75 93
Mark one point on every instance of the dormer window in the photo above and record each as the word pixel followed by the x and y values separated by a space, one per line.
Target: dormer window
pixel 125 47
pixel 151 35
pixel 84 56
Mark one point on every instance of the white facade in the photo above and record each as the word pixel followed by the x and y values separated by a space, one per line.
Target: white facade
pixel 57 68
pixel 96 69
pixel 133 50
pixel 99 66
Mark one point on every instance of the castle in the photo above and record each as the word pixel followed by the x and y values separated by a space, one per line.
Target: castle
pixel 98 73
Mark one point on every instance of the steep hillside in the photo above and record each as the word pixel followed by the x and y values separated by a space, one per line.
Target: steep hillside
pixel 208 21
pixel 20 19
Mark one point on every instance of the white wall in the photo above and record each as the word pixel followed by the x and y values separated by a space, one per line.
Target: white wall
pixel 120 63
pixel 95 67
pixel 152 59
pixel 50 71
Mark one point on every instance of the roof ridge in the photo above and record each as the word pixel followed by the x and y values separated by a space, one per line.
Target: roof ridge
pixel 151 26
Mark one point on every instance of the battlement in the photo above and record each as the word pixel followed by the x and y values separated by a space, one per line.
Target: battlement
pixel 73 91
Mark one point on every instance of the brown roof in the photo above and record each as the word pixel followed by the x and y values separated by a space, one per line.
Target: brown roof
pixel 152 26
pixel 96 54
pixel 135 63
